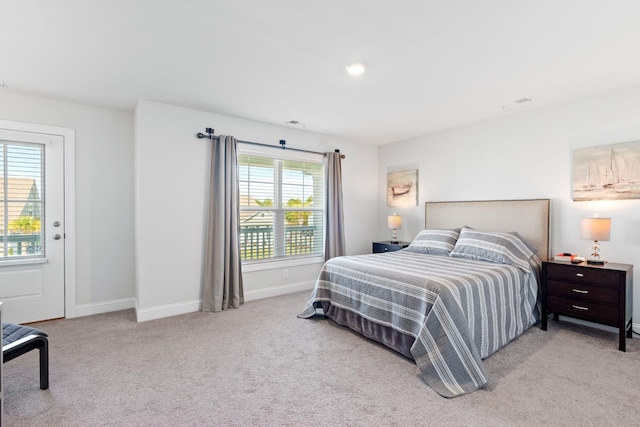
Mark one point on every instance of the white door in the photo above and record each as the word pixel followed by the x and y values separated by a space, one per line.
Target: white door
pixel 32 225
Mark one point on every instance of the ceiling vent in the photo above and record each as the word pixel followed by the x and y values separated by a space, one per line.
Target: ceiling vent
pixel 296 123
pixel 516 103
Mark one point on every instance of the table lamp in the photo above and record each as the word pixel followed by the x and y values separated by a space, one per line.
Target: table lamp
pixel 394 222
pixel 598 230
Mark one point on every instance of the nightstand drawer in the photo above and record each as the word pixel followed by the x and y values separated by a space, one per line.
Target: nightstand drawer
pixel 381 247
pixel 583 309
pixel 583 291
pixel 582 275
pixel 388 246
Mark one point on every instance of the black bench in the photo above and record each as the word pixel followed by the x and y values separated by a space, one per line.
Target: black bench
pixel 18 340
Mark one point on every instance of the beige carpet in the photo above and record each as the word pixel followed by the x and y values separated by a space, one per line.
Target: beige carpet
pixel 260 365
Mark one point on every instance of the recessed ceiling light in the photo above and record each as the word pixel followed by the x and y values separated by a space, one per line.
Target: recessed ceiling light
pixel 356 68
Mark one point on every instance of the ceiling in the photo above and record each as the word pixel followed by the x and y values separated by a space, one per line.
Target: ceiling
pixel 432 64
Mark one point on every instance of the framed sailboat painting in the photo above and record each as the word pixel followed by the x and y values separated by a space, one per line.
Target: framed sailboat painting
pixel 402 188
pixel 608 172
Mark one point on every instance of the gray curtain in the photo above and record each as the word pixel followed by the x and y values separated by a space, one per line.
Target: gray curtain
pixel 222 287
pixel 334 232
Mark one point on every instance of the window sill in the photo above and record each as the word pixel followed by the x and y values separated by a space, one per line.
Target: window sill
pixel 14 263
pixel 249 266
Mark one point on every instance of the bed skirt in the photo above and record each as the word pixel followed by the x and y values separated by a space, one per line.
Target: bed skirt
pixel 386 335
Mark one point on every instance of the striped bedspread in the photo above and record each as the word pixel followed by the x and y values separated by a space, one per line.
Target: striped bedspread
pixel 459 311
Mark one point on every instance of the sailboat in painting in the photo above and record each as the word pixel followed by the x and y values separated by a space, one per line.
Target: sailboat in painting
pixel 618 174
pixel 593 177
pixel 400 189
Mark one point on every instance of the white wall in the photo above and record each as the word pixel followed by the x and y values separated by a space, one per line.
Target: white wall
pixel 525 154
pixel 171 170
pixel 104 196
pixel 171 175
pixel 533 147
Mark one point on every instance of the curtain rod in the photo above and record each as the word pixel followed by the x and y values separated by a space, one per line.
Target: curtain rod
pixel 210 135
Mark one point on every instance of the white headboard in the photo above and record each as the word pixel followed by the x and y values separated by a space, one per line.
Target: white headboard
pixel 530 218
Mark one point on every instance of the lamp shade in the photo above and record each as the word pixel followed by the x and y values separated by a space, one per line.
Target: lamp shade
pixel 598 229
pixel 394 222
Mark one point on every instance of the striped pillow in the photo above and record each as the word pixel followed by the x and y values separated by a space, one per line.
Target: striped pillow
pixel 434 242
pixel 504 248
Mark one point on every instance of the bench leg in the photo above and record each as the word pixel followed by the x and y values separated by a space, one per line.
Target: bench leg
pixel 44 365
pixel 24 345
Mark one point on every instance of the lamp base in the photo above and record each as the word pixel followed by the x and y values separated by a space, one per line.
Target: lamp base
pixel 595 262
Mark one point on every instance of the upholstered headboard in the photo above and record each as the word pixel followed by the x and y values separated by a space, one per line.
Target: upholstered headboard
pixel 530 218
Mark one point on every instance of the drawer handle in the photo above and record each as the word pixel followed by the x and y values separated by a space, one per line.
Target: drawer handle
pixel 579 274
pixel 580 307
pixel 580 291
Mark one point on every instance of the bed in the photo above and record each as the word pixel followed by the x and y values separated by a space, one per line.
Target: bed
pixel 465 287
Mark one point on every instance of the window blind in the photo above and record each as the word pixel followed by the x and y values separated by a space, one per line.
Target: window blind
pixel 281 207
pixel 21 204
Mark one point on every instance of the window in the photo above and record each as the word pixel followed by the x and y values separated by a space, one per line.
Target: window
pixel 281 208
pixel 21 177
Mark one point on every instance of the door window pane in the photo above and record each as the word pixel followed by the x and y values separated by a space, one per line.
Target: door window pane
pixel 21 203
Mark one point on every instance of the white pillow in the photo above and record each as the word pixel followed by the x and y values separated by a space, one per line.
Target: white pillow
pixel 435 242
pixel 504 248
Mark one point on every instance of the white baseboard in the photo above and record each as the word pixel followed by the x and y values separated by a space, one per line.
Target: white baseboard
pixel 101 307
pixel 275 291
pixel 144 314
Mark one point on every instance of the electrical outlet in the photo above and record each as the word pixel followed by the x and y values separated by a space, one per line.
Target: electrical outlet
pixel 285 274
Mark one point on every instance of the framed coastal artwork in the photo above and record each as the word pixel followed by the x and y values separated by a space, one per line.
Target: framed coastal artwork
pixel 608 172
pixel 402 188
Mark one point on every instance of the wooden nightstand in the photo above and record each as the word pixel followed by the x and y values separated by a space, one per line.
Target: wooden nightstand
pixel 597 293
pixel 387 246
